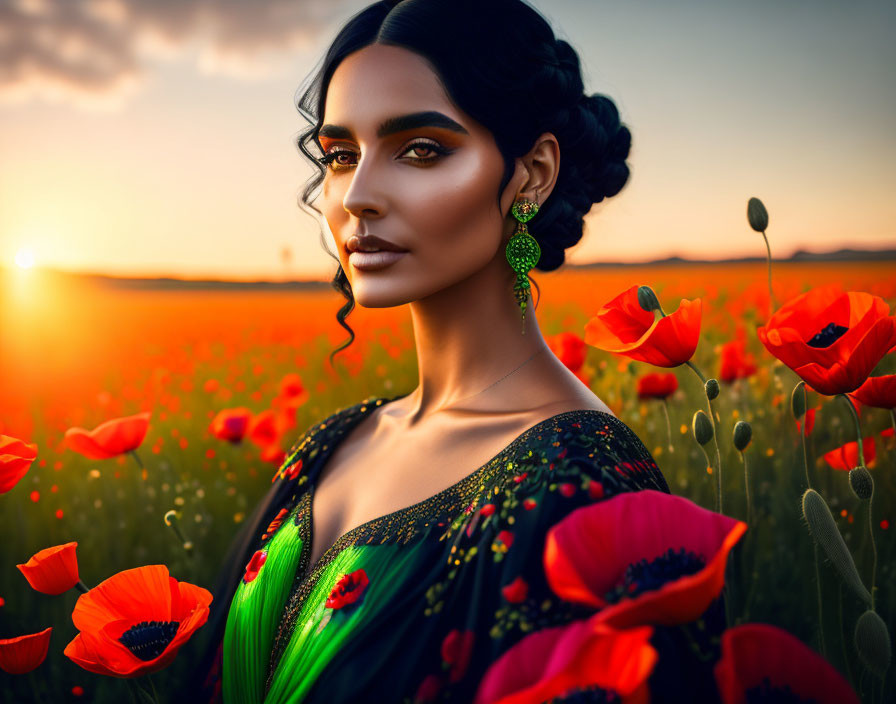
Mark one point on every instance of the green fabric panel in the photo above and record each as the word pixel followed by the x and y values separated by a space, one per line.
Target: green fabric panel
pixel 255 613
pixel 321 633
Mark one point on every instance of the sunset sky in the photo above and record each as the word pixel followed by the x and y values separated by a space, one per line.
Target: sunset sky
pixel 155 137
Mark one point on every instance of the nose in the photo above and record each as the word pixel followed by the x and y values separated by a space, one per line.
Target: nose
pixel 364 196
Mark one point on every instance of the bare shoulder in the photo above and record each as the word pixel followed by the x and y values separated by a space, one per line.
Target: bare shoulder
pixel 574 403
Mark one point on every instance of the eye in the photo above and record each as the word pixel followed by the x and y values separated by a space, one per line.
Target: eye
pixel 332 159
pixel 428 146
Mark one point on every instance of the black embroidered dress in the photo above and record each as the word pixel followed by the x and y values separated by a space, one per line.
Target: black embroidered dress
pixel 415 605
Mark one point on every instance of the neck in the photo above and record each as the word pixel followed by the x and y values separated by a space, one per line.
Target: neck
pixel 468 336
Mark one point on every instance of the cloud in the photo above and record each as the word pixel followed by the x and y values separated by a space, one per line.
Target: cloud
pixel 97 52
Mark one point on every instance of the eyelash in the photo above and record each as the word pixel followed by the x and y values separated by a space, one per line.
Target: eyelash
pixel 328 158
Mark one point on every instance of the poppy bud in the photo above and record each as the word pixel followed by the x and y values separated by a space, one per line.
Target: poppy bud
pixel 757 215
pixel 647 299
pixel 798 401
pixel 743 433
pixel 823 528
pixel 702 427
pixel 872 641
pixel 712 389
pixel 861 483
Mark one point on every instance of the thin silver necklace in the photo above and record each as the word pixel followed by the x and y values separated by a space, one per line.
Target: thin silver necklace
pixel 495 382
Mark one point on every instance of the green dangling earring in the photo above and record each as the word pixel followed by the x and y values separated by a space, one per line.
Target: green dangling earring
pixel 523 252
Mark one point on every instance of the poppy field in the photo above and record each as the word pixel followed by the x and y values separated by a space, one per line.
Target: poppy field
pixel 139 427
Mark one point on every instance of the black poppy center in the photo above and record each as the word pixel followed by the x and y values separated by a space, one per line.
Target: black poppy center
pixel 766 694
pixel 587 695
pixel 827 336
pixel 646 575
pixel 147 640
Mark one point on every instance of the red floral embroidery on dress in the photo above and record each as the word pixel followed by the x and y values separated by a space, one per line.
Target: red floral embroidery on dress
pixel 595 490
pixel 506 537
pixel 487 510
pixel 348 589
pixel 457 647
pixel 567 489
pixel 516 591
pixel 529 504
pixel 429 689
pixel 254 566
pixel 275 524
pixel 293 471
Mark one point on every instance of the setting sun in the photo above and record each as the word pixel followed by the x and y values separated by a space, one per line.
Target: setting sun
pixel 25 258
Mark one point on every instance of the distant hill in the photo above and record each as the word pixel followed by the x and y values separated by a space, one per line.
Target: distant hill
pixel 163 283
pixel 800 255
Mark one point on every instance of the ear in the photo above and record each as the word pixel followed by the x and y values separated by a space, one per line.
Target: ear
pixel 542 163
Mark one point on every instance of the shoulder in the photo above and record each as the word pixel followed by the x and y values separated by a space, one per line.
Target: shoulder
pixel 306 447
pixel 593 445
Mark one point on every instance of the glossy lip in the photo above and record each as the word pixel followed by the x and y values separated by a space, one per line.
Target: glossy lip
pixel 373 261
pixel 370 243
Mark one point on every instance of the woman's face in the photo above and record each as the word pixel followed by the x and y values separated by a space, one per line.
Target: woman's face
pixel 429 188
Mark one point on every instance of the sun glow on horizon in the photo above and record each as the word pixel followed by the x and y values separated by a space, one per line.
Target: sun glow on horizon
pixel 25 258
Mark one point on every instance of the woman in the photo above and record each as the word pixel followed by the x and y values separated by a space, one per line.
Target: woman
pixel 421 560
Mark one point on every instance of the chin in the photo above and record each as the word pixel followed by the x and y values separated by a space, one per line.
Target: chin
pixel 381 294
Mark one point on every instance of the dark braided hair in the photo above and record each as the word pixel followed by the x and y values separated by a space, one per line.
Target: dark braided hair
pixel 500 63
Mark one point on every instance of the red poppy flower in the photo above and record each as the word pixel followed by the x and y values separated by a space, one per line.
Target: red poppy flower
pixel 457 647
pixel 135 622
pixel 231 424
pixel 16 457
pixel 110 439
pixel 760 661
pixel 569 348
pixel 665 568
pixel 262 429
pixel 52 570
pixel 878 391
pixel 846 457
pixel 735 361
pixel 24 653
pixel 623 327
pixel 657 385
pixel 831 339
pixel 273 454
pixel 810 421
pixel 348 589
pixel 552 661
pixel 291 387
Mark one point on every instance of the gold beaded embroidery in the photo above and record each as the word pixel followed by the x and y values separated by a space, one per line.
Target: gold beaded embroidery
pixel 403 525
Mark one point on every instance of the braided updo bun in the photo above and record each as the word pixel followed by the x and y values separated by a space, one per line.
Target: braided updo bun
pixel 594 145
pixel 500 63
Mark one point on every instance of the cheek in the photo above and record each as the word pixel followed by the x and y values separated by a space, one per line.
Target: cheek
pixel 455 208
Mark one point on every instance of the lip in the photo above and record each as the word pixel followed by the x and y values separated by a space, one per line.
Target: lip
pixel 374 261
pixel 370 243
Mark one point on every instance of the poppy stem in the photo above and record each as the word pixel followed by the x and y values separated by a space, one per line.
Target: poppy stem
pixel 821 643
pixel 771 294
pixel 743 458
pixel 842 639
pixel 802 431
pixel 83 588
pixel 715 434
pixel 668 426
pixel 893 419
pixel 139 462
pixel 855 418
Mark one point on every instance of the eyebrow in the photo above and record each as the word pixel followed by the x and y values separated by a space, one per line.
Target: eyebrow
pixel 400 123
